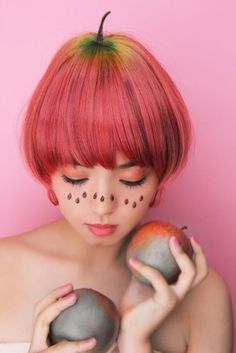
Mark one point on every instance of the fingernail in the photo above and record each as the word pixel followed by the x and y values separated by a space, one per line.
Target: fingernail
pixel 133 261
pixel 175 242
pixel 194 239
pixel 70 296
pixel 66 285
pixel 91 341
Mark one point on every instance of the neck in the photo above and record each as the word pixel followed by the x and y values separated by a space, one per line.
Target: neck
pixel 93 256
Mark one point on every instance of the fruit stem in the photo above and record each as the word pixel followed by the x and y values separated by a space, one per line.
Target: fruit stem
pixel 99 37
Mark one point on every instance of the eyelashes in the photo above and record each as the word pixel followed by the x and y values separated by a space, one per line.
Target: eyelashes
pixel 133 184
pixel 130 184
pixel 74 181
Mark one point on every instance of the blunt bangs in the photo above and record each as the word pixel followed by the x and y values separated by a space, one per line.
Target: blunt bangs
pixel 96 100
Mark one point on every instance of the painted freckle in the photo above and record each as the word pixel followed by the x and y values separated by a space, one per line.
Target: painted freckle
pixel 84 194
pixel 134 204
pixel 69 196
pixel 126 201
pixel 141 198
pixel 77 200
pixel 102 198
pixel 95 196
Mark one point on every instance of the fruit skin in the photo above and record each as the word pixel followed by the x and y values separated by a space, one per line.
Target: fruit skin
pixel 150 244
pixel 92 315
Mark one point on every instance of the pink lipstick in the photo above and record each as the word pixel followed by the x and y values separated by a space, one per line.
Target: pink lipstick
pixel 102 229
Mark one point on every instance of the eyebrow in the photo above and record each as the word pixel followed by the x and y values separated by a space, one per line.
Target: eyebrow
pixel 126 165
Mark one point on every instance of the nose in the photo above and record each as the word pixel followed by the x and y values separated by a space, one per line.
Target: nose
pixel 103 203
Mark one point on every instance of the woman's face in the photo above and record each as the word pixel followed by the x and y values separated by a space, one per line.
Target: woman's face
pixel 97 196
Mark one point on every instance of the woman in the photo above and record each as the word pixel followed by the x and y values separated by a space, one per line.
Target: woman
pixel 105 129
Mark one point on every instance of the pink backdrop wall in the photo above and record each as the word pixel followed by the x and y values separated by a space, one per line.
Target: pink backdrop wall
pixel 195 41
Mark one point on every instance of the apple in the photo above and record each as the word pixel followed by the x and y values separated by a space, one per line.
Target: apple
pixel 150 244
pixel 92 315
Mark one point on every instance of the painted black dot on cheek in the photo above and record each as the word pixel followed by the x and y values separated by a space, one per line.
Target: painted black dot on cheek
pixel 84 195
pixel 134 204
pixel 95 196
pixel 126 201
pixel 141 198
pixel 69 196
pixel 77 200
pixel 102 198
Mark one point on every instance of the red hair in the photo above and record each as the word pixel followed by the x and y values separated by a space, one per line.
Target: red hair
pixel 96 99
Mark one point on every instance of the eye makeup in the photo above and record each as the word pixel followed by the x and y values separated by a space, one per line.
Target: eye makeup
pixel 74 181
pixel 132 184
pixel 127 183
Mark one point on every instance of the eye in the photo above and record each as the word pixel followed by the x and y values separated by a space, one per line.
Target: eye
pixel 74 181
pixel 133 184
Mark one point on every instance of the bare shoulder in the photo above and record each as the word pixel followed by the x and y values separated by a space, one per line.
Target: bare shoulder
pixel 32 239
pixel 209 310
pixel 18 250
pixel 211 291
pixel 24 258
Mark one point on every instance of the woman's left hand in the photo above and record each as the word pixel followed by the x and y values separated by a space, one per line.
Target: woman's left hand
pixel 141 317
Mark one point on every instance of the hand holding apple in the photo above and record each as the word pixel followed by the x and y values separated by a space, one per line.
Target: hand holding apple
pixel 92 315
pixel 158 244
pixel 150 244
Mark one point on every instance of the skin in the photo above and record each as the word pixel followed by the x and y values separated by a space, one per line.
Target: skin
pixel 66 251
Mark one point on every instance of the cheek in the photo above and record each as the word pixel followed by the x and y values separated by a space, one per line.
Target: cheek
pixel 129 198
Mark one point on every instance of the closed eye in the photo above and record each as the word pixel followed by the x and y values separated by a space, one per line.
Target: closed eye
pixel 74 181
pixel 130 184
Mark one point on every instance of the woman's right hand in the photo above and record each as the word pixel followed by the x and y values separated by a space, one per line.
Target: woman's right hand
pixel 46 311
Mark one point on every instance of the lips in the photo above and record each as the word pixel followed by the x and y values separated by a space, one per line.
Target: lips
pixel 102 229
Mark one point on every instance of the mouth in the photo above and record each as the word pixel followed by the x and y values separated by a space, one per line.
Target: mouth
pixel 102 229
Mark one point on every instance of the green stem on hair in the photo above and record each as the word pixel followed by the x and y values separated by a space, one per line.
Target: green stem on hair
pixel 99 37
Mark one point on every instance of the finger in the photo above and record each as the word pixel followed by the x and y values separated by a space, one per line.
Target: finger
pixel 45 317
pixel 200 262
pixel 54 295
pixel 72 347
pixel 187 268
pixel 151 274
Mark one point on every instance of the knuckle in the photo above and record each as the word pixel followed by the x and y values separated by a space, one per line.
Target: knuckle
pixel 191 271
pixel 42 319
pixel 169 299
pixel 61 345
pixel 37 307
pixel 205 273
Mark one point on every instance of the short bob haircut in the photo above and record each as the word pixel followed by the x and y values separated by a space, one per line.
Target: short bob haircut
pixel 99 97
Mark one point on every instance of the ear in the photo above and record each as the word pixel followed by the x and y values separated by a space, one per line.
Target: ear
pixel 52 197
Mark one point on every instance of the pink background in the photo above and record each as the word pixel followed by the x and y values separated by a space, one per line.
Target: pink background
pixel 195 41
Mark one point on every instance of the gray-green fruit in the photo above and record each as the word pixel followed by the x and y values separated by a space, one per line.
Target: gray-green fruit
pixel 150 244
pixel 92 315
